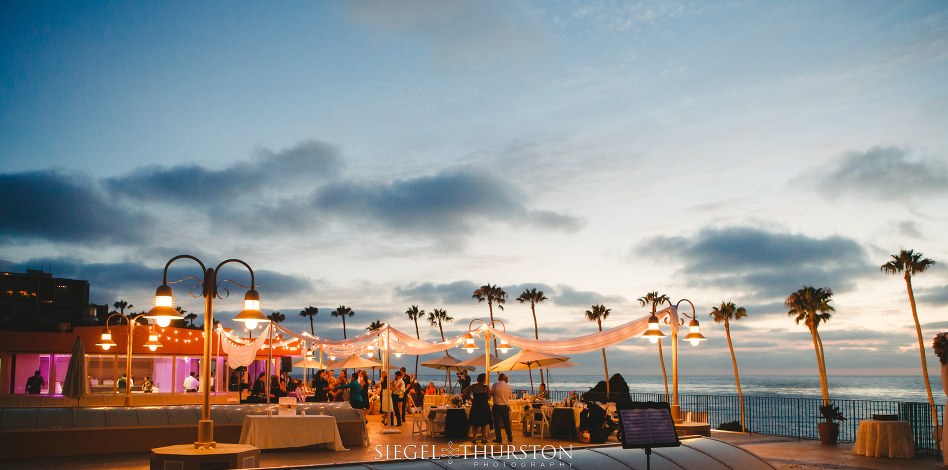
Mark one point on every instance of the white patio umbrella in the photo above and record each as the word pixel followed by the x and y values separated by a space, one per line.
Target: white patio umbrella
pixel 76 383
pixel 353 362
pixel 529 360
pixel 310 363
pixel 446 363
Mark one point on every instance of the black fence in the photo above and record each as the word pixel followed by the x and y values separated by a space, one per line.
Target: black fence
pixel 793 417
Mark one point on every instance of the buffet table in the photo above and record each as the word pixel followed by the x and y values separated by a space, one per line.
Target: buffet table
pixel 272 432
pixel 892 439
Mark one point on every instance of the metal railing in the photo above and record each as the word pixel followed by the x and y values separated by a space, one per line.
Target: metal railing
pixel 794 417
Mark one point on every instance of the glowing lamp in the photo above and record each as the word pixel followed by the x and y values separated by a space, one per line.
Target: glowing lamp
pixel 694 333
pixel 251 314
pixel 152 342
pixel 504 346
pixel 469 347
pixel 163 312
pixel 654 332
pixel 398 353
pixel 106 340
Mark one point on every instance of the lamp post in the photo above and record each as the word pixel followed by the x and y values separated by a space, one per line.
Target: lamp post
pixel 470 347
pixel 105 342
pixel 694 335
pixel 164 311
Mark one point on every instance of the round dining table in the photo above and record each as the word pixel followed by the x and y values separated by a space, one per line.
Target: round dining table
pixel 892 439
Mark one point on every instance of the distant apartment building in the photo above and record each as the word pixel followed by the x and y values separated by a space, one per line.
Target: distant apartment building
pixel 37 301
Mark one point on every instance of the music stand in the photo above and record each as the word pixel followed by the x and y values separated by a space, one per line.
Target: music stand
pixel 646 425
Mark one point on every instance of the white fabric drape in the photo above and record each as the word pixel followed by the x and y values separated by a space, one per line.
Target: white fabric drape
pixel 590 342
pixel 241 351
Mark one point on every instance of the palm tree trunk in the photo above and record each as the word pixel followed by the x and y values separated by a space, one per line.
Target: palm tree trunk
pixel 417 335
pixel 737 380
pixel 921 351
pixel 495 338
pixel 442 336
pixel 344 327
pixel 536 334
pixel 664 374
pixel 604 364
pixel 819 362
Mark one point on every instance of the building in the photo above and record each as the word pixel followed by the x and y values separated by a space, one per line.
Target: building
pixel 37 301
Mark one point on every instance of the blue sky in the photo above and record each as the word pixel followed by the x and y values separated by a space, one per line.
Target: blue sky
pixel 385 154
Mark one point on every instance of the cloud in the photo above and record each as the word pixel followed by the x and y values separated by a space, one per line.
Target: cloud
pixel 450 203
pixel 110 281
pixel 766 264
pixel 63 207
pixel 195 185
pixel 515 291
pixel 458 292
pixel 471 34
pixel 937 295
pixel 884 173
pixel 909 229
pixel 567 296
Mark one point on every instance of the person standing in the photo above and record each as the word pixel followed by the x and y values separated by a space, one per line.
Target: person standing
pixel 191 384
pixel 398 397
pixel 355 392
pixel 34 383
pixel 480 416
pixel 500 392
pixel 465 380
pixel 147 385
pixel 386 398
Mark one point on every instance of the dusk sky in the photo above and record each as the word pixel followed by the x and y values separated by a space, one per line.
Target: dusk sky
pixel 380 155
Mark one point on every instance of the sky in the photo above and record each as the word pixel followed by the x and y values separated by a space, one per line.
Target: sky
pixel 380 155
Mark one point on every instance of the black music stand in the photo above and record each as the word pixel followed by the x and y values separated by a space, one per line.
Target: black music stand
pixel 645 425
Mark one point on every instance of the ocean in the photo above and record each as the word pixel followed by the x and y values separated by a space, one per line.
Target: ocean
pixel 904 388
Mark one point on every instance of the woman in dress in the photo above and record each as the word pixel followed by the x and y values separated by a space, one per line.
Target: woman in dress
pixel 431 390
pixel 343 379
pixel 386 406
pixel 480 417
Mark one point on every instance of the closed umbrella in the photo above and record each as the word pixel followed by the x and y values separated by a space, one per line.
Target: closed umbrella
pixel 76 384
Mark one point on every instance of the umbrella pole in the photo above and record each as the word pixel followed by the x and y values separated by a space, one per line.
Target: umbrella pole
pixel 530 371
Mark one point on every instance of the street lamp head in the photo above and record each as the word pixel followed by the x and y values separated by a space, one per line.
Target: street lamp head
pixel 654 332
pixel 694 333
pixel 251 314
pixel 163 312
pixel 106 340
pixel 503 346
pixel 469 345
pixel 152 342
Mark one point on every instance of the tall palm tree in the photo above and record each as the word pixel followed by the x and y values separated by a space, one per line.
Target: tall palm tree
pixel 492 294
pixel 343 312
pixel 413 314
pixel 909 264
pixel 121 305
pixel 598 314
pixel 180 323
pixel 310 312
pixel 534 297
pixel 190 319
pixel 376 325
pixel 656 300
pixel 727 312
pixel 812 306
pixel 437 317
pixel 276 317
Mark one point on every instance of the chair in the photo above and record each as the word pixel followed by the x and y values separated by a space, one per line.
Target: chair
pixel 419 423
pixel 541 424
pixel 436 425
pixel 516 411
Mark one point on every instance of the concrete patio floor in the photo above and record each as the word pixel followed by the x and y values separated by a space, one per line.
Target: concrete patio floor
pixel 781 452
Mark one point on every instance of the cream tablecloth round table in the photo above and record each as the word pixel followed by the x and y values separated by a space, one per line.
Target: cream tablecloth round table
pixel 275 432
pixel 892 439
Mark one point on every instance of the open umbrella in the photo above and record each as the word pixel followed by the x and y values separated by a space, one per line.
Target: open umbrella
pixel 447 363
pixel 353 362
pixel 76 384
pixel 529 360
pixel 478 361
pixel 310 363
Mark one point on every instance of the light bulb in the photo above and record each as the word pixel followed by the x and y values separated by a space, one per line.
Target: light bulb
pixel 163 321
pixel 694 342
pixel 153 347
pixel 398 354
pixel 653 340
pixel 106 346
pixel 251 324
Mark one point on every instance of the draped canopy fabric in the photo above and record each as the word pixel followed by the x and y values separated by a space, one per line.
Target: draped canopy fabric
pixel 241 351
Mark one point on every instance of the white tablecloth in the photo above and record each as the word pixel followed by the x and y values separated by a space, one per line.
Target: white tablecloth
pixel 892 439
pixel 273 432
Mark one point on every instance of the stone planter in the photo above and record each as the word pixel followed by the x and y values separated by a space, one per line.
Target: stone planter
pixel 829 433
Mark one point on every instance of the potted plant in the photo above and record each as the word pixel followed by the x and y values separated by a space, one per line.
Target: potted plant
pixel 829 428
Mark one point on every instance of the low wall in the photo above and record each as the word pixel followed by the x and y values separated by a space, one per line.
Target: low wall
pixel 115 399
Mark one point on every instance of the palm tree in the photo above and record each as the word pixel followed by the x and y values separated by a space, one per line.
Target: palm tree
pixel 598 314
pixel 812 306
pixel 343 312
pixel 183 322
pixel 190 318
pixel 376 325
pixel 276 317
pixel 413 314
pixel 656 300
pixel 910 263
pixel 438 316
pixel 725 314
pixel 492 294
pixel 534 297
pixel 310 312
pixel 121 305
